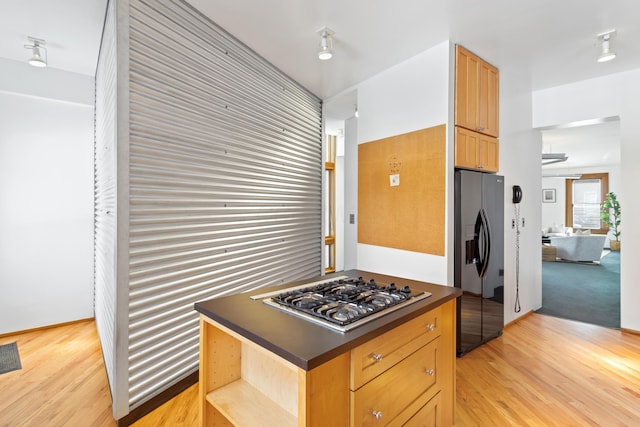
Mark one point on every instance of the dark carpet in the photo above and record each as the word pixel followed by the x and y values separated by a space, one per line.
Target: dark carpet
pixel 9 358
pixel 588 293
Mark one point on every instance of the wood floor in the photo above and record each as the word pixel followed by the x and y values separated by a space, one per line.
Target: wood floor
pixel 543 371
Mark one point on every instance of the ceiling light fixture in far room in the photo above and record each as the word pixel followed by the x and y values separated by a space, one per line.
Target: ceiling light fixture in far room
pixel 550 158
pixel 605 39
pixel 325 51
pixel 563 175
pixel 38 52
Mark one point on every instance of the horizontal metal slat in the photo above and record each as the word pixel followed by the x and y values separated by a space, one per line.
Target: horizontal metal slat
pixel 225 182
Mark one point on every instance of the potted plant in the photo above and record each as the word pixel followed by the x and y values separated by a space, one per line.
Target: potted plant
pixel 610 215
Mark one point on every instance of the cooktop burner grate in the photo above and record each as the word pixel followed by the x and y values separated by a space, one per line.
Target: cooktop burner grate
pixel 344 303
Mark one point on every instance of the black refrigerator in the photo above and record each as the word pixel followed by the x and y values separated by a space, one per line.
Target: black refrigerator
pixel 479 258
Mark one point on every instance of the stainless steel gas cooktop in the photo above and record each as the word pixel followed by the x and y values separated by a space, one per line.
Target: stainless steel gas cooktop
pixel 343 303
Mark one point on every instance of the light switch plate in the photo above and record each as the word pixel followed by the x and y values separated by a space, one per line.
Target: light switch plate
pixel 394 180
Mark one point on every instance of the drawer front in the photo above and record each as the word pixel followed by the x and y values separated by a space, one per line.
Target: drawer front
pixel 381 353
pixel 382 400
pixel 428 415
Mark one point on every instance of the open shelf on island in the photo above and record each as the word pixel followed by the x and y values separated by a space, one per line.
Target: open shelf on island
pixel 256 409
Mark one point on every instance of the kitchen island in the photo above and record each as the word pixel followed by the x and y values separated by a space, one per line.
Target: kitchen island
pixel 261 366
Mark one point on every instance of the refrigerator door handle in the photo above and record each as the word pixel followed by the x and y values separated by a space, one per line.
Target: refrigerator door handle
pixel 486 253
pixel 476 243
pixel 482 237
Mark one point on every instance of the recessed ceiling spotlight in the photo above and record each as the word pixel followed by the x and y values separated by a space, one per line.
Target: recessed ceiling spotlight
pixel 38 52
pixel 325 50
pixel 607 54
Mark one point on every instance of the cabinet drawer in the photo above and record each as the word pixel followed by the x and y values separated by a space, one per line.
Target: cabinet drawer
pixel 429 415
pixel 389 395
pixel 381 353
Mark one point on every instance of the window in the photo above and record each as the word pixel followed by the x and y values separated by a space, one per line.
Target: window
pixel 584 197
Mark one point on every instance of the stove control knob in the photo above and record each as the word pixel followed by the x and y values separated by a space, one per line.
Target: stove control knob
pixel 391 287
pixel 377 357
pixel 406 290
pixel 377 414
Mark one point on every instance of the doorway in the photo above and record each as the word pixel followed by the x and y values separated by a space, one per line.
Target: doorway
pixel 584 290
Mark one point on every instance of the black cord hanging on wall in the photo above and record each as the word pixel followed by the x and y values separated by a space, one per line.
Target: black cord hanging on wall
pixel 517 198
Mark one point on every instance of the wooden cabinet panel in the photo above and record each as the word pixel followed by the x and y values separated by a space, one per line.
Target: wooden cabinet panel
pixel 467 88
pixel 488 153
pixel 430 415
pixel 477 93
pixel 476 151
pixel 488 96
pixel 376 356
pixel 466 148
pixel 379 402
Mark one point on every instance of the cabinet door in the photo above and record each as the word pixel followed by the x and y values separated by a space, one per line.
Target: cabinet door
pixel 466 148
pixel 488 96
pixel 488 153
pixel 467 88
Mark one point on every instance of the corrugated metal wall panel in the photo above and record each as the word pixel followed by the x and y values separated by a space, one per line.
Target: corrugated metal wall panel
pixel 225 182
pixel 105 195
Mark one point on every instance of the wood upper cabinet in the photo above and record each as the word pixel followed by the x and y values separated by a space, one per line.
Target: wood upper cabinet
pixel 474 150
pixel 477 93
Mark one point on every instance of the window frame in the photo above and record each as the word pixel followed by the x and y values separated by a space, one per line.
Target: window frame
pixel 604 188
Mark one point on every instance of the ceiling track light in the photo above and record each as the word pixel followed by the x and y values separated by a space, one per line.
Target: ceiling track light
pixel 550 158
pixel 325 50
pixel 38 52
pixel 605 39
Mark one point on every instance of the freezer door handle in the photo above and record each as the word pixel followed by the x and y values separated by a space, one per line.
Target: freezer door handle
pixel 482 242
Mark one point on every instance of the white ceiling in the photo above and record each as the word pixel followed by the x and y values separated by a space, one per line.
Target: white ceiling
pixel 588 144
pixel 72 30
pixel 554 41
pixel 550 42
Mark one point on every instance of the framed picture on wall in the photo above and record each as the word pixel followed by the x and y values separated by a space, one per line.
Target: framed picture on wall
pixel 549 195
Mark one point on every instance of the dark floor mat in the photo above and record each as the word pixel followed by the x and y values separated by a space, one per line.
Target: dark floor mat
pixel 9 358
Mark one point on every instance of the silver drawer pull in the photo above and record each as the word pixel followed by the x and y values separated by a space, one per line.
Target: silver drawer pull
pixel 430 371
pixel 377 357
pixel 377 414
pixel 431 326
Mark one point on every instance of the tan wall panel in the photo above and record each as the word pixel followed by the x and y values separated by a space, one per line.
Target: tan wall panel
pixel 410 216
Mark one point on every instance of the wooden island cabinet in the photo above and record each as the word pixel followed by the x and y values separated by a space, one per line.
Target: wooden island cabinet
pixel 260 366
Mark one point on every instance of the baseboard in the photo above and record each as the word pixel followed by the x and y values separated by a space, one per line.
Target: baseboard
pixel 517 319
pixel 42 328
pixel 157 401
pixel 629 331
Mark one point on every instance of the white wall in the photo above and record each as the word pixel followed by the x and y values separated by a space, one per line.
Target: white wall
pixel 553 213
pixel 46 197
pixel 614 95
pixel 409 96
pixel 520 151
pixel 350 193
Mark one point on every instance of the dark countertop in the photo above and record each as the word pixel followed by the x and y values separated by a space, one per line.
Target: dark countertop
pixel 305 343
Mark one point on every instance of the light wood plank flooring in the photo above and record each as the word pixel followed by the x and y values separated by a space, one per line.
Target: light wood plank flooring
pixel 543 371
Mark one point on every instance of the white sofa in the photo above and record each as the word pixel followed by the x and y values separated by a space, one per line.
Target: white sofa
pixel 579 248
